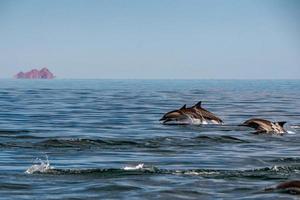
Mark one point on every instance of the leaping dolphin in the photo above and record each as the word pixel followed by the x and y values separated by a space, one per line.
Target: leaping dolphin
pixel 265 126
pixel 192 115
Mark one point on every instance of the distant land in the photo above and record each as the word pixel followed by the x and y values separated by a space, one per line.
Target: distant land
pixel 44 73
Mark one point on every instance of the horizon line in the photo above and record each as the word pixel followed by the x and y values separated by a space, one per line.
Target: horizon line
pixel 240 79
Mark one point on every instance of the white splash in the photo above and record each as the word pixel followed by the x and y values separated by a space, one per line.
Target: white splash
pixel 275 168
pixel 139 166
pixel 291 132
pixel 295 126
pixel 203 122
pixel 43 166
pixel 191 121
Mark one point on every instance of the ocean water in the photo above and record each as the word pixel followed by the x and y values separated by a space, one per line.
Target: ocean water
pixel 101 139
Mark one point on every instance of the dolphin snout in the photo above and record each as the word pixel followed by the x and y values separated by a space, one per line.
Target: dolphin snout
pixel 163 118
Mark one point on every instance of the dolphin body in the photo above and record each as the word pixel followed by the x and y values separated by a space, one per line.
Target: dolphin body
pixel 192 115
pixel 265 126
pixel 290 186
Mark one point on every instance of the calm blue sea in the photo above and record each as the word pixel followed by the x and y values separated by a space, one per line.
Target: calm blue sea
pixel 101 139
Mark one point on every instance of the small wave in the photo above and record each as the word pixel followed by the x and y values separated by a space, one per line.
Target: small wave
pixel 110 172
pixel 44 167
pixel 198 173
pixel 14 186
pixel 274 172
pixel 73 143
pixel 4 131
pixel 268 173
pixel 220 139
pixel 150 143
pixel 287 160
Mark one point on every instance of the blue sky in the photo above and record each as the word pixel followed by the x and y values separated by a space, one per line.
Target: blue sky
pixel 187 39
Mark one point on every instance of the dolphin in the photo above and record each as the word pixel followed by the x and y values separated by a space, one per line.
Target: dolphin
pixel 265 126
pixel 290 186
pixel 192 115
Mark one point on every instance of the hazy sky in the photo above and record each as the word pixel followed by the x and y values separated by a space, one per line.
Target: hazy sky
pixel 151 39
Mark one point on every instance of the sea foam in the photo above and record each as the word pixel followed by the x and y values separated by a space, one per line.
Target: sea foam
pixel 42 166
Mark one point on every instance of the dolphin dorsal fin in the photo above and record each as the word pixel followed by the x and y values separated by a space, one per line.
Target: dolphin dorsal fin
pixel 197 105
pixel 183 107
pixel 281 123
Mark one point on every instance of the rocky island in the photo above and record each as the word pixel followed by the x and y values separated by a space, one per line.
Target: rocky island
pixel 35 74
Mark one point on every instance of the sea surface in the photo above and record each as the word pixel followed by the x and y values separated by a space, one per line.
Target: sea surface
pixel 101 139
